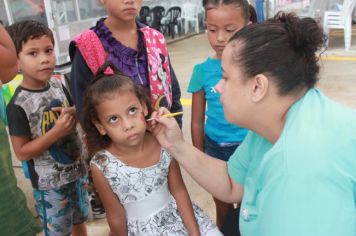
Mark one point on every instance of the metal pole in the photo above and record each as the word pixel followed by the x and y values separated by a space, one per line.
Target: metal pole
pixel 49 13
pixel 8 12
pixel 77 10
pixel 51 25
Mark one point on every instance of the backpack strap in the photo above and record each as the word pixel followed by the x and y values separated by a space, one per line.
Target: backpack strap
pixel 158 67
pixel 159 72
pixel 92 50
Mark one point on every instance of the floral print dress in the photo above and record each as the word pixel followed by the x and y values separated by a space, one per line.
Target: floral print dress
pixel 144 193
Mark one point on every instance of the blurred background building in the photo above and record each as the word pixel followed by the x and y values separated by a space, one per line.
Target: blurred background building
pixel 174 18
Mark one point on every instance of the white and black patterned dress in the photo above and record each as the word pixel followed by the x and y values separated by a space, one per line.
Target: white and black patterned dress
pixel 150 208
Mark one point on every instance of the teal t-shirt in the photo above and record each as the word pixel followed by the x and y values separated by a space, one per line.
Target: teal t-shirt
pixel 304 184
pixel 205 76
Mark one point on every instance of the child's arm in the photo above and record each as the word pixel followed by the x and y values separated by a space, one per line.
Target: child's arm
pixel 80 76
pixel 180 194
pixel 8 66
pixel 115 212
pixel 26 149
pixel 198 119
pixel 176 94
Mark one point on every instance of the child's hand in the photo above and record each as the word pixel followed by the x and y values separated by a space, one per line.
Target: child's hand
pixel 60 110
pixel 66 121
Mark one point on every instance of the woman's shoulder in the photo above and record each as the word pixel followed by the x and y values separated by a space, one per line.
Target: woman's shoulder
pixel 315 103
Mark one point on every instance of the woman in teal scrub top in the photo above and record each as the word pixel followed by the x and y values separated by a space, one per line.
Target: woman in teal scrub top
pixel 295 172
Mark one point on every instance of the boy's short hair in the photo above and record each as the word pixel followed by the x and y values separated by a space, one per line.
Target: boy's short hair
pixel 23 31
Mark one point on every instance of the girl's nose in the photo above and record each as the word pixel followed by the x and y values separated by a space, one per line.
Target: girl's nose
pixel 127 124
pixel 44 59
pixel 219 87
pixel 221 37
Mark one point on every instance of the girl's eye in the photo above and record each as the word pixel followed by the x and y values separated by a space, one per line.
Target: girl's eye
pixel 211 29
pixel 113 119
pixel 32 54
pixel 49 50
pixel 132 111
pixel 230 30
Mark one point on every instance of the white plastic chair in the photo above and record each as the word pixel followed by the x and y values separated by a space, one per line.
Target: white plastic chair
pixel 341 20
pixel 190 14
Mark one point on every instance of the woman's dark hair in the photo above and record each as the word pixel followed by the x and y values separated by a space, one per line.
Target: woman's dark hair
pixel 239 3
pixel 22 31
pixel 284 48
pixel 103 87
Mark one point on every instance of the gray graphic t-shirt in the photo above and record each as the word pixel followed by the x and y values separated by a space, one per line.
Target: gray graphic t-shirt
pixel 30 115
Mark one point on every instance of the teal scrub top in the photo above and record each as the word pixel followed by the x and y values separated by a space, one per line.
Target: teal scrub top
pixel 304 184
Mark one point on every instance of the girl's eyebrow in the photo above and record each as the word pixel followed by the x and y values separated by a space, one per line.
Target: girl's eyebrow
pixel 133 105
pixel 224 25
pixel 31 49
pixel 38 48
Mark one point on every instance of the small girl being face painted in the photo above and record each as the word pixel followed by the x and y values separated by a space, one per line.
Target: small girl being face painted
pixel 114 112
pixel 121 116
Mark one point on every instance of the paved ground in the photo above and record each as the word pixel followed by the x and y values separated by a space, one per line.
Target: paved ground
pixel 337 79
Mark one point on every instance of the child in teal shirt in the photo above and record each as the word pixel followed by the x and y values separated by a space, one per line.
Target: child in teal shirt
pixel 217 138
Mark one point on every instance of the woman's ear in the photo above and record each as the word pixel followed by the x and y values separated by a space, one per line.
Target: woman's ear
pixel 99 127
pixel 260 87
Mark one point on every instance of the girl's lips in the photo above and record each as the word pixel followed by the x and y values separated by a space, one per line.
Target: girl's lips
pixel 220 48
pixel 130 10
pixel 132 136
pixel 46 70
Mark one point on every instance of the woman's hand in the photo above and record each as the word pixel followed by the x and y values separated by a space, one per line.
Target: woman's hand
pixel 166 130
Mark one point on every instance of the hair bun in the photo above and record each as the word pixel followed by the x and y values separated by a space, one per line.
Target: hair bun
pixel 305 34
